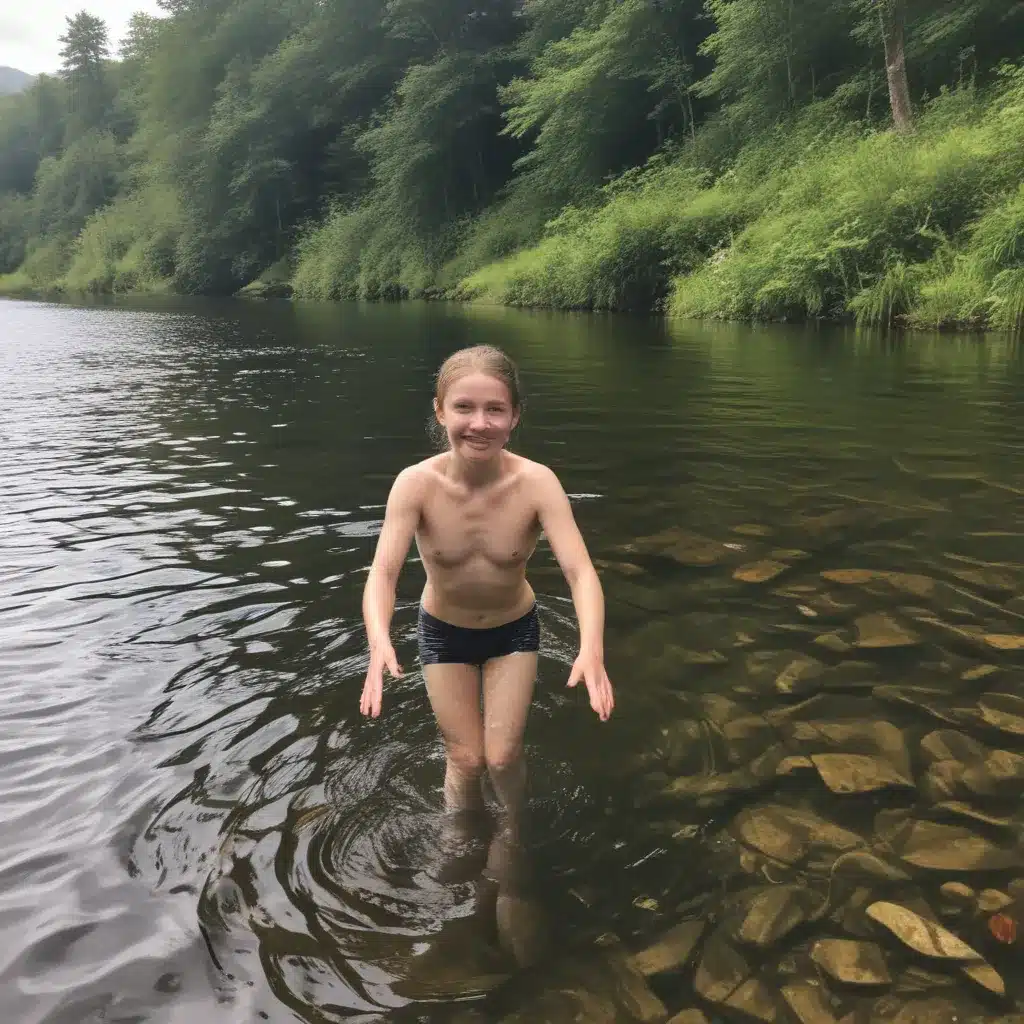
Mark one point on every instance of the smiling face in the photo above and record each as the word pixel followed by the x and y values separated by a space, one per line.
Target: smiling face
pixel 478 415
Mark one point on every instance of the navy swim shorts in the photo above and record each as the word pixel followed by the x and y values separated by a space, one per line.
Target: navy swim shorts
pixel 441 643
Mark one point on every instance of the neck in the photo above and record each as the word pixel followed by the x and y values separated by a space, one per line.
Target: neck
pixel 474 474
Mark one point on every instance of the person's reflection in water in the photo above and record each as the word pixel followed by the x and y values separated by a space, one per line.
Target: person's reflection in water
pixel 519 919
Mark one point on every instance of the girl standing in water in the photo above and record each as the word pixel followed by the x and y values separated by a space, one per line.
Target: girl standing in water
pixel 476 512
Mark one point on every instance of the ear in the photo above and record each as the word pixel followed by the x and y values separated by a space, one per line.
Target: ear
pixel 438 412
pixel 515 417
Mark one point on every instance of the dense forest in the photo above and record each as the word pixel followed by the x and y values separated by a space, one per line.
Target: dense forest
pixel 730 158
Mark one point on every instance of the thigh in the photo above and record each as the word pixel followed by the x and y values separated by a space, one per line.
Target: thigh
pixel 454 692
pixel 508 691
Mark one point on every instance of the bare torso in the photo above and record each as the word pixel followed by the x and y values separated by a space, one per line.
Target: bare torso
pixel 475 543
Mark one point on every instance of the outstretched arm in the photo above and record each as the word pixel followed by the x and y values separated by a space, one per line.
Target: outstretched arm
pixel 567 544
pixel 400 520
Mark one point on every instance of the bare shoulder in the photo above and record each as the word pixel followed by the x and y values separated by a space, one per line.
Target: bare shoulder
pixel 541 480
pixel 412 485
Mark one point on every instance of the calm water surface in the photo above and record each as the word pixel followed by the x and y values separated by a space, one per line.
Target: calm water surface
pixel 194 819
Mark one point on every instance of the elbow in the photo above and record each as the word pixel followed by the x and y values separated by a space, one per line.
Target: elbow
pixel 582 575
pixel 381 576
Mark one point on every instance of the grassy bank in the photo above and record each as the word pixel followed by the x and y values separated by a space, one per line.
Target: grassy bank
pixel 821 218
pixel 818 217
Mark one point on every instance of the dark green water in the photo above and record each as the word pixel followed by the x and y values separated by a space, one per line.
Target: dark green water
pixel 197 824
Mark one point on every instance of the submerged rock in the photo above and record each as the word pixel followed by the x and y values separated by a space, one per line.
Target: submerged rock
pixel 787 834
pixel 1005 641
pixel 760 572
pixel 986 976
pixel 688 1017
pixel 809 1002
pixel 951 745
pixel 671 950
pixel 936 847
pixel 1001 774
pixel 858 773
pixel 957 895
pixel 991 901
pixel 961 810
pixel 851 576
pixel 682 546
pixel 773 912
pixel 800 677
pixel 721 972
pixel 1003 711
pixel 851 962
pixel 600 986
pixel 879 631
pixel 925 937
pixel 753 999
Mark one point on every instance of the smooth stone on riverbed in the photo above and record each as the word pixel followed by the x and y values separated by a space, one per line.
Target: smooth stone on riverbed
pixel 753 999
pixel 851 962
pixel 961 810
pixel 800 677
pixel 722 970
pixel 787 833
pixel 855 737
pixel 951 745
pixel 1003 711
pixel 1005 641
pixel 935 847
pixel 760 572
pixel 688 1017
pixel 879 631
pixel 958 894
pixel 1001 774
pixel 986 976
pixel 808 1002
pixel 671 950
pixel 858 773
pixel 925 937
pixel 991 901
pixel 682 546
pixel 773 913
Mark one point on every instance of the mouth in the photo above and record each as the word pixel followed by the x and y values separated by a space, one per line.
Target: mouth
pixel 477 442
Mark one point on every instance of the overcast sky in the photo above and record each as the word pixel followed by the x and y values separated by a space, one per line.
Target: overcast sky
pixel 29 28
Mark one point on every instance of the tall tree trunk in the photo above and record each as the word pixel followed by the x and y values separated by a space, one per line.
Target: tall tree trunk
pixel 892 15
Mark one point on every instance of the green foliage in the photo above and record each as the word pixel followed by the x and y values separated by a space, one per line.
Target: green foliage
pixel 601 99
pixel 128 246
pixel 69 188
pixel 866 227
pixel 725 158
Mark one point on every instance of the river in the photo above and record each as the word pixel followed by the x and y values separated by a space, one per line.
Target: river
pixel 196 822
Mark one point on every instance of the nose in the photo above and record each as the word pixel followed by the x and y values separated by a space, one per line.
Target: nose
pixel 478 421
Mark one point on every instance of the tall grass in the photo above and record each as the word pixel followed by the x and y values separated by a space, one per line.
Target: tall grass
pixel 816 218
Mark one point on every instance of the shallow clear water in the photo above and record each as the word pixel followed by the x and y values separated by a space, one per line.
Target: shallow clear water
pixel 194 819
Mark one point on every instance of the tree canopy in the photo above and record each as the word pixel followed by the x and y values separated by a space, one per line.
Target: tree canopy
pixel 224 132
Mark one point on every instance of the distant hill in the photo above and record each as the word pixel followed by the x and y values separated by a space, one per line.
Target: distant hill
pixel 13 80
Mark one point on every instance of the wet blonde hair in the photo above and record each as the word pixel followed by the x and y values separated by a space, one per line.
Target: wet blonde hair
pixel 477 359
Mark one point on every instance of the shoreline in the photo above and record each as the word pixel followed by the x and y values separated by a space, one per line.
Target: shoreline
pixel 278 294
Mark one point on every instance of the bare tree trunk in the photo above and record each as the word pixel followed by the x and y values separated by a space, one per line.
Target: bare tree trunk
pixel 891 13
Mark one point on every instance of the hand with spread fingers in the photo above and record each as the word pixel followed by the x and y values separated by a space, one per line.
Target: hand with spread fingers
pixel 373 688
pixel 590 669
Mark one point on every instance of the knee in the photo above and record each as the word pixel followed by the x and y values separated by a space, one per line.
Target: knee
pixel 468 760
pixel 503 758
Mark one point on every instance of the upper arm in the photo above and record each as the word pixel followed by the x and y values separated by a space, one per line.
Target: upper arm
pixel 401 517
pixel 559 525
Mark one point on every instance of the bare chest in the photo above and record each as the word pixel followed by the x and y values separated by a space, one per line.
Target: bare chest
pixel 498 529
